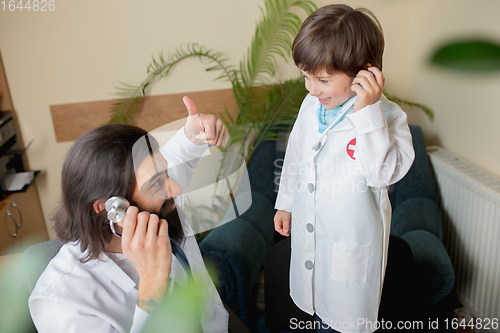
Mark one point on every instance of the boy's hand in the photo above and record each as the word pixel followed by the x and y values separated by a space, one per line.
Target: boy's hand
pixel 282 222
pixel 368 85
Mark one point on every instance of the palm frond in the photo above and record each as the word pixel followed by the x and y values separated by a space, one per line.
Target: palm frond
pixel 402 102
pixel 129 103
pixel 283 103
pixel 263 107
pixel 273 37
pixel 132 97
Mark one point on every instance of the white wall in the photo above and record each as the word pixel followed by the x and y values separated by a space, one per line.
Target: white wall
pixel 466 107
pixel 80 51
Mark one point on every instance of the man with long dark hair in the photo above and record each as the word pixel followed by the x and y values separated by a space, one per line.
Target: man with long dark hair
pixel 106 280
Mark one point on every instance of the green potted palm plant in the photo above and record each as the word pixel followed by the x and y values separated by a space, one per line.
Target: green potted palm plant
pixel 264 105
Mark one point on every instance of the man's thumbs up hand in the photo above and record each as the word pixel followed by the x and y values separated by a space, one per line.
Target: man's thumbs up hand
pixel 203 128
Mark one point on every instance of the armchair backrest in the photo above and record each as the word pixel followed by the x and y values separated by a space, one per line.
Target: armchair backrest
pixel 36 258
pixel 419 181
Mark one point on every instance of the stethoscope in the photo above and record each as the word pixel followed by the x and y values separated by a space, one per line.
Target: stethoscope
pixel 116 208
pixel 341 115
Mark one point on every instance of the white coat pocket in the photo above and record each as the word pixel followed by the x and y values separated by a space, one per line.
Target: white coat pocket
pixel 350 263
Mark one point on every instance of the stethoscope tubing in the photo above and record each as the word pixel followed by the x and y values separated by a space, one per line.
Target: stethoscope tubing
pixel 343 111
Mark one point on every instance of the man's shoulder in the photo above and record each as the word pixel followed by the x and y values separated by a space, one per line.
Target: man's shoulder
pixel 64 271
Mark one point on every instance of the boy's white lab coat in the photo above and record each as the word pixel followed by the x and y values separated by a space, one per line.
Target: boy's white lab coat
pixel 336 192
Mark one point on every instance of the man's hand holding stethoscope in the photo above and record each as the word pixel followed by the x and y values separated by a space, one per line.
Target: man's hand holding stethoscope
pixel 145 242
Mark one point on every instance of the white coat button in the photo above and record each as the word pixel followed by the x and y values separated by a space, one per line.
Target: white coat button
pixel 309 265
pixel 310 227
pixel 311 187
pixel 318 147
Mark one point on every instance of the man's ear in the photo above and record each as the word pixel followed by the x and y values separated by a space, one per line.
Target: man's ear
pixel 99 206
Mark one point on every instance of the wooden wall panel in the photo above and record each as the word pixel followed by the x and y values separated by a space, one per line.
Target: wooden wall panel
pixel 72 120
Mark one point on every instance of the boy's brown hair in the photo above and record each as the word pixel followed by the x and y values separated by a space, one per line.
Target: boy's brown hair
pixel 338 38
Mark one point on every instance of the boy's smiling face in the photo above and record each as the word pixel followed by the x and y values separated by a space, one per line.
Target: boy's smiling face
pixel 332 90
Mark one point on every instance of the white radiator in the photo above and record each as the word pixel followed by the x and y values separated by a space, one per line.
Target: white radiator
pixel 470 203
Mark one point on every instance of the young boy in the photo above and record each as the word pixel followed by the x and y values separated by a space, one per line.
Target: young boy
pixel 336 169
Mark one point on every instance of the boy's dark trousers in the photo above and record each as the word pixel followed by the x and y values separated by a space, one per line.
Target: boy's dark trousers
pixel 397 302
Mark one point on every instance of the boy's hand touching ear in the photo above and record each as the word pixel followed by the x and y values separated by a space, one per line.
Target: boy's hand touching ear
pixel 368 85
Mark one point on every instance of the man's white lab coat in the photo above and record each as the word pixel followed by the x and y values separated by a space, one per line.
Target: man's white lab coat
pixel 98 296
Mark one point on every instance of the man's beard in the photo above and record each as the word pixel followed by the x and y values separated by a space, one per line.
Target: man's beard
pixel 175 230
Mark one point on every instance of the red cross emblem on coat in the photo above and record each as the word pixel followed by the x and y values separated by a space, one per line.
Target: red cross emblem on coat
pixel 351 149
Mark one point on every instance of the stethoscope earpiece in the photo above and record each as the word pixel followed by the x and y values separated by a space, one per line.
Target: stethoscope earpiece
pixel 117 207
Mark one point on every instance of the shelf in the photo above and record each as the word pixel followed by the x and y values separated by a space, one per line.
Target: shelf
pixel 27 186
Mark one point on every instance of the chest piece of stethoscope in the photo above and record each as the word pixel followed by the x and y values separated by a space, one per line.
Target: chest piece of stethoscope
pixel 116 208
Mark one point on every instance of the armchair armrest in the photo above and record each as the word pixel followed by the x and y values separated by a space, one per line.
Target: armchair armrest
pixel 417 214
pixel 432 263
pixel 234 254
